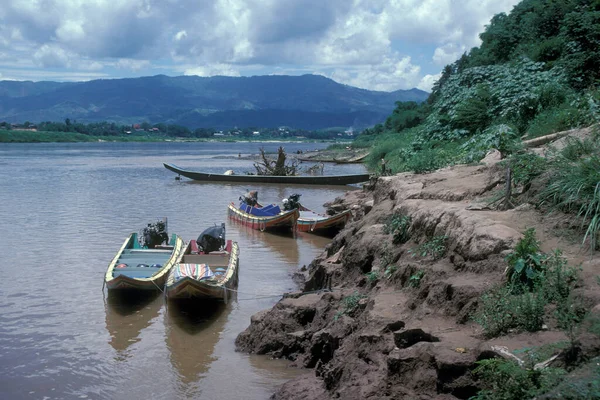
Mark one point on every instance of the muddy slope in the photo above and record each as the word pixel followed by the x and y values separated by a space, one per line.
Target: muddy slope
pixel 366 323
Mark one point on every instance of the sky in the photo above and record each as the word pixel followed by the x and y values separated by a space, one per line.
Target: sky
pixel 371 44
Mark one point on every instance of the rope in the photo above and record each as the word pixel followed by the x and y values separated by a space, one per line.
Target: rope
pixel 158 287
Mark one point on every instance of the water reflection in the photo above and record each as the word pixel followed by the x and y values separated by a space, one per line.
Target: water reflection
pixel 127 314
pixel 192 330
pixel 283 243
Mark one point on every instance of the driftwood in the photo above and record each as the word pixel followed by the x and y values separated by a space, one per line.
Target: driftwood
pixel 539 141
pixel 503 351
pixel 276 168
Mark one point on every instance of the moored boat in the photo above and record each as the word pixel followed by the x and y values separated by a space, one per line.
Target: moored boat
pixel 268 217
pixel 205 271
pixel 144 260
pixel 294 180
pixel 310 221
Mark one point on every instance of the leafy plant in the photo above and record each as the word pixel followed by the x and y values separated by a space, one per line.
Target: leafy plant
pixel 398 225
pixel 435 247
pixel 372 276
pixel 389 271
pixel 415 279
pixel 350 304
pixel 526 262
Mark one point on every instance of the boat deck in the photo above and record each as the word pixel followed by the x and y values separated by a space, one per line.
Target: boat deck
pixel 135 258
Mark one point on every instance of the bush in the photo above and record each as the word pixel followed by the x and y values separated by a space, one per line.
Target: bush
pixel 506 380
pixel 502 311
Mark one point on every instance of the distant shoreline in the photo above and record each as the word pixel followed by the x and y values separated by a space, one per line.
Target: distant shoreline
pixel 21 136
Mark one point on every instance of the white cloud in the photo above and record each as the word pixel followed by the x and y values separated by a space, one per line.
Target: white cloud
pixel 52 56
pixel 131 64
pixel 212 70
pixel 427 82
pixel 375 44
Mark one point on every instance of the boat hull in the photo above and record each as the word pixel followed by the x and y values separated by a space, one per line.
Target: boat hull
pixel 114 280
pixel 293 180
pixel 334 222
pixel 287 220
pixel 222 289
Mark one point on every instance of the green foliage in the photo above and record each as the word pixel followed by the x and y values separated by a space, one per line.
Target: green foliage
pixel 558 279
pixel 349 304
pixel 472 113
pixel 372 276
pixel 415 279
pixel 575 186
pixel 525 167
pixel 500 137
pixel 506 380
pixel 398 226
pixel 406 115
pixel 520 305
pixel 511 93
pixel 434 247
pixel 502 310
pixel 526 262
pixel 390 270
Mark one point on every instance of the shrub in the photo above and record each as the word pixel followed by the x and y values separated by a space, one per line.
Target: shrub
pixel 500 137
pixel 506 380
pixel 525 167
pixel 501 311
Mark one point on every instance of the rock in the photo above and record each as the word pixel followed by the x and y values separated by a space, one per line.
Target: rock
pixel 409 337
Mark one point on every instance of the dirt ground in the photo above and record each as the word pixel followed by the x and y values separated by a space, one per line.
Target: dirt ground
pixel 368 331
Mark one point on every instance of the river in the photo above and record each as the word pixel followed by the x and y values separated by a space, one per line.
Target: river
pixel 67 208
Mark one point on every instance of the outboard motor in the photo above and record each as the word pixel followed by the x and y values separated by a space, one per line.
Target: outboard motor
pixel 212 239
pixel 292 202
pixel 155 234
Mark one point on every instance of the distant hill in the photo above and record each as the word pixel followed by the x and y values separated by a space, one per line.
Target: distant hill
pixel 307 101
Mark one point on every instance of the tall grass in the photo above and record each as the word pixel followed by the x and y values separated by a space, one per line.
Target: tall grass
pixel 575 185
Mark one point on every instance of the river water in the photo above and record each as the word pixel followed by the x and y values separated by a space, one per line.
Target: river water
pixel 67 208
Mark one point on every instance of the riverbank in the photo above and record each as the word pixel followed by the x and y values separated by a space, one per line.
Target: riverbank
pixel 392 309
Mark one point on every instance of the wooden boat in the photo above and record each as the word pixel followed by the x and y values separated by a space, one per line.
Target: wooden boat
pixel 263 218
pixel 310 221
pixel 204 275
pixel 136 266
pixel 297 179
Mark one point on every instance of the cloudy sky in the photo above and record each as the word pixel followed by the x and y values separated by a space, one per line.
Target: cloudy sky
pixel 372 44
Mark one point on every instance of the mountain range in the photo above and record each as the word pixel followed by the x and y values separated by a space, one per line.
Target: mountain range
pixel 303 102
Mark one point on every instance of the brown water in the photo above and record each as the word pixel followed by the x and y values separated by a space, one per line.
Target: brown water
pixel 67 208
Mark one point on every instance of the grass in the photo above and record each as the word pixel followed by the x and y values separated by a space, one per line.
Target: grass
pixel 575 186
